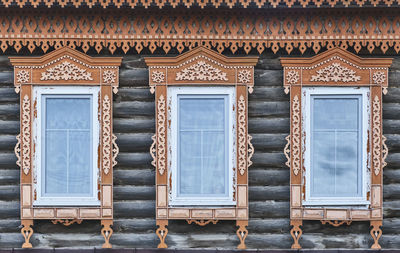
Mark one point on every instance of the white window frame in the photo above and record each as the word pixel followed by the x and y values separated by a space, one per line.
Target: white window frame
pixel 306 108
pixel 173 93
pixel 37 135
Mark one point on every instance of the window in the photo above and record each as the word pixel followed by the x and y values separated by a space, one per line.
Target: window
pixel 67 130
pixel 336 123
pixel 336 150
pixel 66 148
pixel 201 148
pixel 202 136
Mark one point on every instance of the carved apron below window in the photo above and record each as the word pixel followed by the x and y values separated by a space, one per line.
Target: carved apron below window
pixel 66 78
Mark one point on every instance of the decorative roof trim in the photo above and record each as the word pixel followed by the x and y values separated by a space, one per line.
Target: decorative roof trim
pixel 202 4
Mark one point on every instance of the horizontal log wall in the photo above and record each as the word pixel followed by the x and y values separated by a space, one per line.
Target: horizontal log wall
pixel 134 193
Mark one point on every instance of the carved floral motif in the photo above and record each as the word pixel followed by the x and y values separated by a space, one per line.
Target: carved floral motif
pixel 109 76
pixel 379 77
pixel 296 136
pixel 376 135
pixel 335 73
pixel 26 134
pixel 158 76
pixel 244 76
pixel 201 71
pixel 23 76
pixel 286 150
pixel 242 151
pixel 161 160
pixel 106 134
pixel 292 77
pixel 66 71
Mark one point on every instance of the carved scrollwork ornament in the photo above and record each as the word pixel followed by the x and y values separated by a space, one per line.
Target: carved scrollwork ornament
pixel 201 71
pixel 66 71
pixel 161 161
pixel 385 151
pixel 26 134
pixel 67 222
pixel 250 151
pixel 242 134
pixel 202 223
pixel 376 135
pixel 296 135
pixel 153 150
pixel 286 150
pixel 106 134
pixel 115 150
pixel 17 150
pixel 335 73
pixel 336 223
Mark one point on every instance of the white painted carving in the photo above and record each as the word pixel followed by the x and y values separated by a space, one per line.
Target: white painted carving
pixel 244 76
pixel 66 71
pixel 379 77
pixel 23 76
pixel 26 134
pixel 109 76
pixel 106 135
pixel 158 76
pixel 201 71
pixel 335 73
pixel 292 77
pixel 242 135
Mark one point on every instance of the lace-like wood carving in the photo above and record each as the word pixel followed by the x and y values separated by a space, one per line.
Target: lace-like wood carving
pixel 376 135
pixel 201 71
pixel 106 134
pixel 26 134
pixel 66 71
pixel 225 30
pixel 296 135
pixel 161 135
pixel 335 73
pixel 242 135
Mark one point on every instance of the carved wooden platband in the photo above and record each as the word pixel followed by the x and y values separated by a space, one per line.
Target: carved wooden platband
pixel 201 67
pixel 65 67
pixel 335 68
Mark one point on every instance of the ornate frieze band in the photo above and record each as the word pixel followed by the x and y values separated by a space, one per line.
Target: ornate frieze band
pixel 202 4
pixel 221 29
pixel 242 142
pixel 161 133
pixel 376 135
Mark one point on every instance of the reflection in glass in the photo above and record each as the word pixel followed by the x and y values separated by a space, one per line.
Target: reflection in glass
pixel 336 135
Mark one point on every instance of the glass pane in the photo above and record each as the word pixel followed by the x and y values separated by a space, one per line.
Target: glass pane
pixel 67 145
pixel 79 171
pixel 56 162
pixel 335 113
pixel 203 142
pixel 347 164
pixel 335 146
pixel 201 113
pixel 68 113
pixel 323 166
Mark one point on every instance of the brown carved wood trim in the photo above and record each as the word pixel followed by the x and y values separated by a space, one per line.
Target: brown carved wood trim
pixel 65 67
pixel 195 3
pixel 256 30
pixel 200 67
pixel 336 68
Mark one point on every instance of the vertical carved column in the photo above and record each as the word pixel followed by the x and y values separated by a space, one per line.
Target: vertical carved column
pixel 296 233
pixel 162 232
pixel 27 232
pixel 376 233
pixel 242 233
pixel 107 231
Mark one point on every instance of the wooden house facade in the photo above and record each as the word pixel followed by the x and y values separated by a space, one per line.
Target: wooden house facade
pixel 266 59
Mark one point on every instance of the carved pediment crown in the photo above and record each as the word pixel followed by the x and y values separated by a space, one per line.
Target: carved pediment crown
pixel 336 67
pixel 66 66
pixel 201 66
